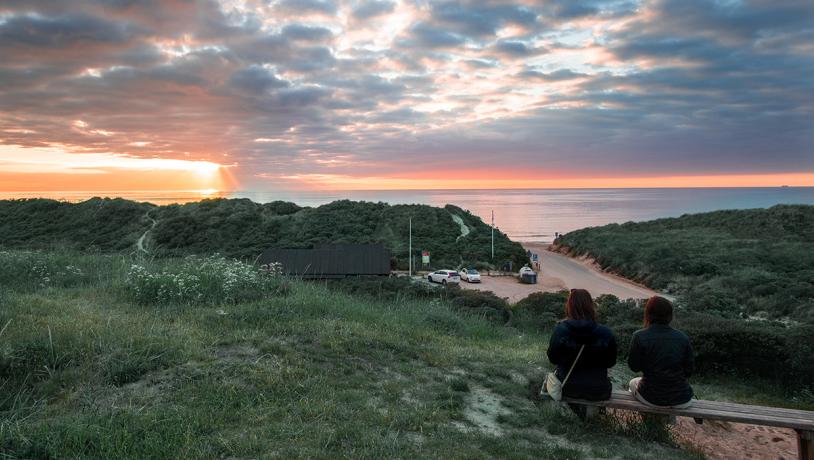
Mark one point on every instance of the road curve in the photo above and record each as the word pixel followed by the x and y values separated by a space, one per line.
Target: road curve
pixel 577 274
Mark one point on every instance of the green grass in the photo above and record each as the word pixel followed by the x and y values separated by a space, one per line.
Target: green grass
pixel 86 371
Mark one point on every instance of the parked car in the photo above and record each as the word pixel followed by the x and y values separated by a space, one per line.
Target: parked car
pixel 527 275
pixel 470 275
pixel 444 277
pixel 526 269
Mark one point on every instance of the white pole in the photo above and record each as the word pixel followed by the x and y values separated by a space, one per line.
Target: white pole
pixel 493 234
pixel 410 250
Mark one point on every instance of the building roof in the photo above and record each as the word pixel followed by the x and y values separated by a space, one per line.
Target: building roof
pixel 331 261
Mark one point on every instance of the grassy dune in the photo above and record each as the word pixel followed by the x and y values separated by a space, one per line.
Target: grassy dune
pixel 740 263
pixel 88 369
pixel 243 229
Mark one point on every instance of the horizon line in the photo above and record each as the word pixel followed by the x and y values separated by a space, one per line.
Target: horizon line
pixel 216 191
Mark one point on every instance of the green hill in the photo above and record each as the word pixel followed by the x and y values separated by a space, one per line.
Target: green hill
pixel 242 228
pixel 95 362
pixel 757 262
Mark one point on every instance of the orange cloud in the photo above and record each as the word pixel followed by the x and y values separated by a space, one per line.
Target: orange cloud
pixel 50 169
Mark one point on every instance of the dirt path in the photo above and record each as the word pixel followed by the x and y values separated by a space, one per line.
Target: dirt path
pixel 140 242
pixel 575 273
pixel 464 228
pixel 559 272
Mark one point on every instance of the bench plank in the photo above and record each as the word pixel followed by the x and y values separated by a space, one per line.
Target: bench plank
pixel 712 410
pixel 733 407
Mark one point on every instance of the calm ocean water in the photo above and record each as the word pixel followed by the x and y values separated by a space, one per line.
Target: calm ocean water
pixel 525 215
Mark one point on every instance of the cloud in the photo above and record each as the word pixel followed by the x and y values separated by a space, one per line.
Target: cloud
pixel 557 75
pixel 425 35
pixel 376 88
pixel 477 20
pixel 517 48
pixel 61 31
pixel 256 80
pixel 306 33
pixel 318 6
pixel 371 9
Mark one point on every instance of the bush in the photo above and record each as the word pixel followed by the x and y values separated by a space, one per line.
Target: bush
pixel 539 310
pixel 484 303
pixel 199 280
pixel 801 354
pixel 384 288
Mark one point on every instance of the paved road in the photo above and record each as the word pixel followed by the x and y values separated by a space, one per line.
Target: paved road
pixel 576 274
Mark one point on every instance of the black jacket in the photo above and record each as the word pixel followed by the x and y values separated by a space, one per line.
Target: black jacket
pixel 589 380
pixel 665 358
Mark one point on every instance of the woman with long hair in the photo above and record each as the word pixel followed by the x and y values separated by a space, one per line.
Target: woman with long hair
pixel 579 330
pixel 664 356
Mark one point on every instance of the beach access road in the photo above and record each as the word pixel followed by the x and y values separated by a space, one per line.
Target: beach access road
pixel 558 272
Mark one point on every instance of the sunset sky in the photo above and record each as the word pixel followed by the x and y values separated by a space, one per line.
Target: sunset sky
pixel 360 94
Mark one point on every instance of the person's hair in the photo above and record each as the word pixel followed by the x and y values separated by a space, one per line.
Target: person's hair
pixel 580 305
pixel 658 310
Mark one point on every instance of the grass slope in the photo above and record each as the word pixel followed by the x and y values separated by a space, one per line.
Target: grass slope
pixel 87 370
pixel 729 263
pixel 242 228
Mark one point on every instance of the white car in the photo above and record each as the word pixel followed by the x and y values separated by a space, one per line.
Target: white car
pixel 470 275
pixel 444 277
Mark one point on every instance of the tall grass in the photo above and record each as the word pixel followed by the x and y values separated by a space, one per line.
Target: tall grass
pixel 201 280
pixel 26 271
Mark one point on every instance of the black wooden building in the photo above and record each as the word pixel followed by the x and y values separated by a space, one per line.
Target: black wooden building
pixel 331 261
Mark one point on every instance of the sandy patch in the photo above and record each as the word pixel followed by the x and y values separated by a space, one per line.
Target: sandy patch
pixel 482 409
pixel 724 440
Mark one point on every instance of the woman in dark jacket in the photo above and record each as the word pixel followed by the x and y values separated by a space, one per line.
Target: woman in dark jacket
pixel 589 380
pixel 664 356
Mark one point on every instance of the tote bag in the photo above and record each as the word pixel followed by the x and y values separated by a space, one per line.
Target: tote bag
pixel 553 385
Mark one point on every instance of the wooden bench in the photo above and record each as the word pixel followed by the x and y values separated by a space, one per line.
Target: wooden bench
pixel 801 421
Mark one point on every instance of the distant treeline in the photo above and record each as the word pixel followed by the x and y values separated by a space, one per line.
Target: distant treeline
pixel 242 228
pixel 733 264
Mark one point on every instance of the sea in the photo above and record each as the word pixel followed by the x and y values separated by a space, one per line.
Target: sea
pixel 524 215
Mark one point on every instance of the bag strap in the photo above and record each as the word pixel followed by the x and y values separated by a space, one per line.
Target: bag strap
pixel 573 365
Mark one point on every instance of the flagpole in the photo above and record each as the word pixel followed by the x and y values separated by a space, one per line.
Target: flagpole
pixel 410 250
pixel 493 234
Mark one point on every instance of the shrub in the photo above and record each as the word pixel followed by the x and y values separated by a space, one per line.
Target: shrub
pixel 209 280
pixel 390 288
pixel 801 354
pixel 539 310
pixel 485 303
pixel 736 347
